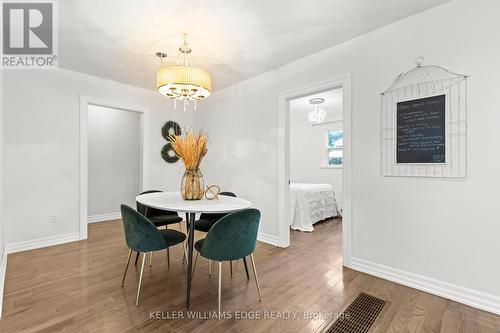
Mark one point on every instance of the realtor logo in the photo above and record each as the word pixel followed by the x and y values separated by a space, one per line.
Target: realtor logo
pixel 29 38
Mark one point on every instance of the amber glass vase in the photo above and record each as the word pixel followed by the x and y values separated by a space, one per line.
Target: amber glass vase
pixel 192 187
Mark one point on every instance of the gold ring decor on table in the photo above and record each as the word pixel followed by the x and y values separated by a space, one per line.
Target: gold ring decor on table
pixel 212 192
pixel 191 148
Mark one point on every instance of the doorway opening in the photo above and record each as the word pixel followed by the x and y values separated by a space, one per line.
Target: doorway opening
pixel 316 159
pixel 113 161
pixel 315 156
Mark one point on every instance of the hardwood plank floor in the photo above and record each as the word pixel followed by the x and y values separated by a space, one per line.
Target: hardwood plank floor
pixel 75 287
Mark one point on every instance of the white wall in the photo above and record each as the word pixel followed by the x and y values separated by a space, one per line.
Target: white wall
pixel 308 143
pixel 114 159
pixel 42 147
pixel 2 161
pixel 3 265
pixel 444 229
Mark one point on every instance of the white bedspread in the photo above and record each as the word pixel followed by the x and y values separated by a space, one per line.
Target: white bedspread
pixel 311 203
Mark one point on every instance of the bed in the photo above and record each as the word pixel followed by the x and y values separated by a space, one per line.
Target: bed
pixel 311 203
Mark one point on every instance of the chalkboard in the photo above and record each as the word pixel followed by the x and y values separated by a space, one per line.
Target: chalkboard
pixel 421 130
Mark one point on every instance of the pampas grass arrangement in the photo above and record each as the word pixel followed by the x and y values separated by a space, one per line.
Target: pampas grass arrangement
pixel 191 148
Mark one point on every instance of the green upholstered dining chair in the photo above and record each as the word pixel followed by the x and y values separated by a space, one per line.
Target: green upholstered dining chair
pixel 206 221
pixel 142 236
pixel 233 237
pixel 159 218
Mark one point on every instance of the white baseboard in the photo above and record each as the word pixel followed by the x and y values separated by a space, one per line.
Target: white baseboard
pixel 471 297
pixel 104 217
pixel 267 238
pixel 3 271
pixel 41 242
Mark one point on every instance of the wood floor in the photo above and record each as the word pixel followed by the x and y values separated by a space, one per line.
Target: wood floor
pixel 76 288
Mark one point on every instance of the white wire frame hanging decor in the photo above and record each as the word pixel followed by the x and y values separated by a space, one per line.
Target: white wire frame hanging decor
pixel 424 124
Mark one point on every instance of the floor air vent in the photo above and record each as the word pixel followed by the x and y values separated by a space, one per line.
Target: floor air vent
pixel 359 315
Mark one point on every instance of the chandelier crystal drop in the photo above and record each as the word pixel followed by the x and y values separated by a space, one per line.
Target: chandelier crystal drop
pixel 183 82
pixel 317 115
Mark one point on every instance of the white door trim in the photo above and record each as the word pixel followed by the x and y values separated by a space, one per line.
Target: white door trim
pixel 343 81
pixel 85 101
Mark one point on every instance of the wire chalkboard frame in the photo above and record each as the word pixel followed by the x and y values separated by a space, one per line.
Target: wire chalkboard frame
pixel 422 82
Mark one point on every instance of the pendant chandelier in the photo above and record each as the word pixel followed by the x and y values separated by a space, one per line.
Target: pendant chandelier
pixel 183 82
pixel 317 115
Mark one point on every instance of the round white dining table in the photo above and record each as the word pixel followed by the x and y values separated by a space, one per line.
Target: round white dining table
pixel 173 201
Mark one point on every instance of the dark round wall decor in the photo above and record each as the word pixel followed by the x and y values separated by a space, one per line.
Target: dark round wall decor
pixel 170 128
pixel 168 153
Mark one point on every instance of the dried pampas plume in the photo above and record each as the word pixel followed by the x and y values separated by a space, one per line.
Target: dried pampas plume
pixel 191 148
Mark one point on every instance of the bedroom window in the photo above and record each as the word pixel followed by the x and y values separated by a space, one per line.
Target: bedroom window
pixel 334 149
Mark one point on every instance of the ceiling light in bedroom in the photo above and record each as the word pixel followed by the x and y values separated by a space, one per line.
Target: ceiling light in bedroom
pixel 317 115
pixel 182 81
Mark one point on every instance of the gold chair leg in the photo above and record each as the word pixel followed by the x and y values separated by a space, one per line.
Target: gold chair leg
pixel 255 274
pixel 209 267
pixel 126 267
pixel 231 267
pixel 184 258
pixel 150 259
pixel 220 284
pixel 140 278
pixel 184 253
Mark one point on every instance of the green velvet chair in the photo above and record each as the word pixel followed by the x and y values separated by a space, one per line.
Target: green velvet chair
pixel 206 221
pixel 159 218
pixel 233 237
pixel 142 236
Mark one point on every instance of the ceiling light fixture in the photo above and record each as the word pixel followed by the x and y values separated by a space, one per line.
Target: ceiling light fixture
pixel 182 81
pixel 318 114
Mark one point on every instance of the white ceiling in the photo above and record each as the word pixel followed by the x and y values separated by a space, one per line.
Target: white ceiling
pixel 232 39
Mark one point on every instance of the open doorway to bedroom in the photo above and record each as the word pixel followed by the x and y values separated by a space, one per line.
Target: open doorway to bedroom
pixel 330 156
pixel 316 162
